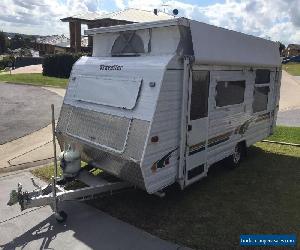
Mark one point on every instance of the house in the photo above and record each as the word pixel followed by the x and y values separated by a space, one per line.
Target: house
pixel 56 44
pixel 292 50
pixel 51 44
pixel 62 47
pixel 96 20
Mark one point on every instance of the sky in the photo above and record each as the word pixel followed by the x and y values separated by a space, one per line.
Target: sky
pixel 278 20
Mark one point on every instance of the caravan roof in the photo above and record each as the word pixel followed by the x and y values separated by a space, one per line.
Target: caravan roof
pixel 214 45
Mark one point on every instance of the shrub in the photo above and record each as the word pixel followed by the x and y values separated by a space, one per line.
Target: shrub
pixel 27 60
pixel 59 65
pixel 6 61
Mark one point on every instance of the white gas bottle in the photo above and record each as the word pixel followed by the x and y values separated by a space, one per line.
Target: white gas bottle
pixel 70 161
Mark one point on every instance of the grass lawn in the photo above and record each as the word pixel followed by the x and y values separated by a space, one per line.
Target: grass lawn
pixel 262 196
pixel 34 79
pixel 292 68
pixel 286 134
pixel 46 173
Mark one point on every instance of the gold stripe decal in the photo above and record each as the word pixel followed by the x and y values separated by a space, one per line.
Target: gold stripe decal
pixel 197 146
pixel 263 117
pixel 218 139
pixel 211 142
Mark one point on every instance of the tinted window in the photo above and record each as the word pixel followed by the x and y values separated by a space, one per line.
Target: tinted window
pixel 230 93
pixel 260 101
pixel 262 76
pixel 128 43
pixel 199 96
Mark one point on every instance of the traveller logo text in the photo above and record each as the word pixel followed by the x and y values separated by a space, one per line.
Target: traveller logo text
pixel 110 67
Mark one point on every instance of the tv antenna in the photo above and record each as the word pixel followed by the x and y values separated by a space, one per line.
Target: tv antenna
pixel 165 5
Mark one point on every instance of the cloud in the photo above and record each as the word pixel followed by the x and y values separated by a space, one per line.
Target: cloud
pixel 265 18
pixel 277 19
pixel 120 4
pixel 295 13
pixel 41 16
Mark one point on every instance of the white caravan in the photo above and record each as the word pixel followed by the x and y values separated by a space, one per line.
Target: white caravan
pixel 160 102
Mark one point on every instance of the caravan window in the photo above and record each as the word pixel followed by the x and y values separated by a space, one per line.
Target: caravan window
pixel 230 93
pixel 128 43
pixel 199 95
pixel 260 101
pixel 262 76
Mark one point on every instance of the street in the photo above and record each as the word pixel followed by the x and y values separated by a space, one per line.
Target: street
pixel 25 109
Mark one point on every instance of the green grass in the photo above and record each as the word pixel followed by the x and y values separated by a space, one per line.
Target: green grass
pixel 45 173
pixel 34 79
pixel 262 196
pixel 286 134
pixel 292 68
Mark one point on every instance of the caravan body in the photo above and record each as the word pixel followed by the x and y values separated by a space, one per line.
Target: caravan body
pixel 160 102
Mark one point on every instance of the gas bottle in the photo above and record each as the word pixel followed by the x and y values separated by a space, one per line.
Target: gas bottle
pixel 70 161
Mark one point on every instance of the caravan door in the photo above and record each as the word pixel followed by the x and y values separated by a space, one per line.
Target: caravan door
pixel 197 125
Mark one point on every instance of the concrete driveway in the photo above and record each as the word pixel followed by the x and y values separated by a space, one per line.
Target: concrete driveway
pixel 85 228
pixel 25 109
pixel 289 105
pixel 26 69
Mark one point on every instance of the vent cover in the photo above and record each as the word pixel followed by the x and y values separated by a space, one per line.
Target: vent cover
pixel 105 130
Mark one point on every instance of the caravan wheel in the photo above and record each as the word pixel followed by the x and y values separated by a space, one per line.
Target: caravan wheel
pixel 61 216
pixel 238 154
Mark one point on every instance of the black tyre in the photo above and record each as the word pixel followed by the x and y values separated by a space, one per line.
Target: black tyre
pixel 239 153
pixel 61 217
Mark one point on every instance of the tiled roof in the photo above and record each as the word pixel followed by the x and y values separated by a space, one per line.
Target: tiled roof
pixel 129 15
pixel 55 39
pixel 60 41
pixel 294 46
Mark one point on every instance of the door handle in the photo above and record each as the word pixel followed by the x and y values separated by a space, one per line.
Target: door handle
pixel 190 127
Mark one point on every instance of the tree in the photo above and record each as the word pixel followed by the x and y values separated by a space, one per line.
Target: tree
pixel 17 42
pixel 281 47
pixel 3 42
pixel 27 42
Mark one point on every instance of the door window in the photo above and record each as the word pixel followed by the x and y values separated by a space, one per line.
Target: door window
pixel 260 101
pixel 199 95
pixel 261 90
